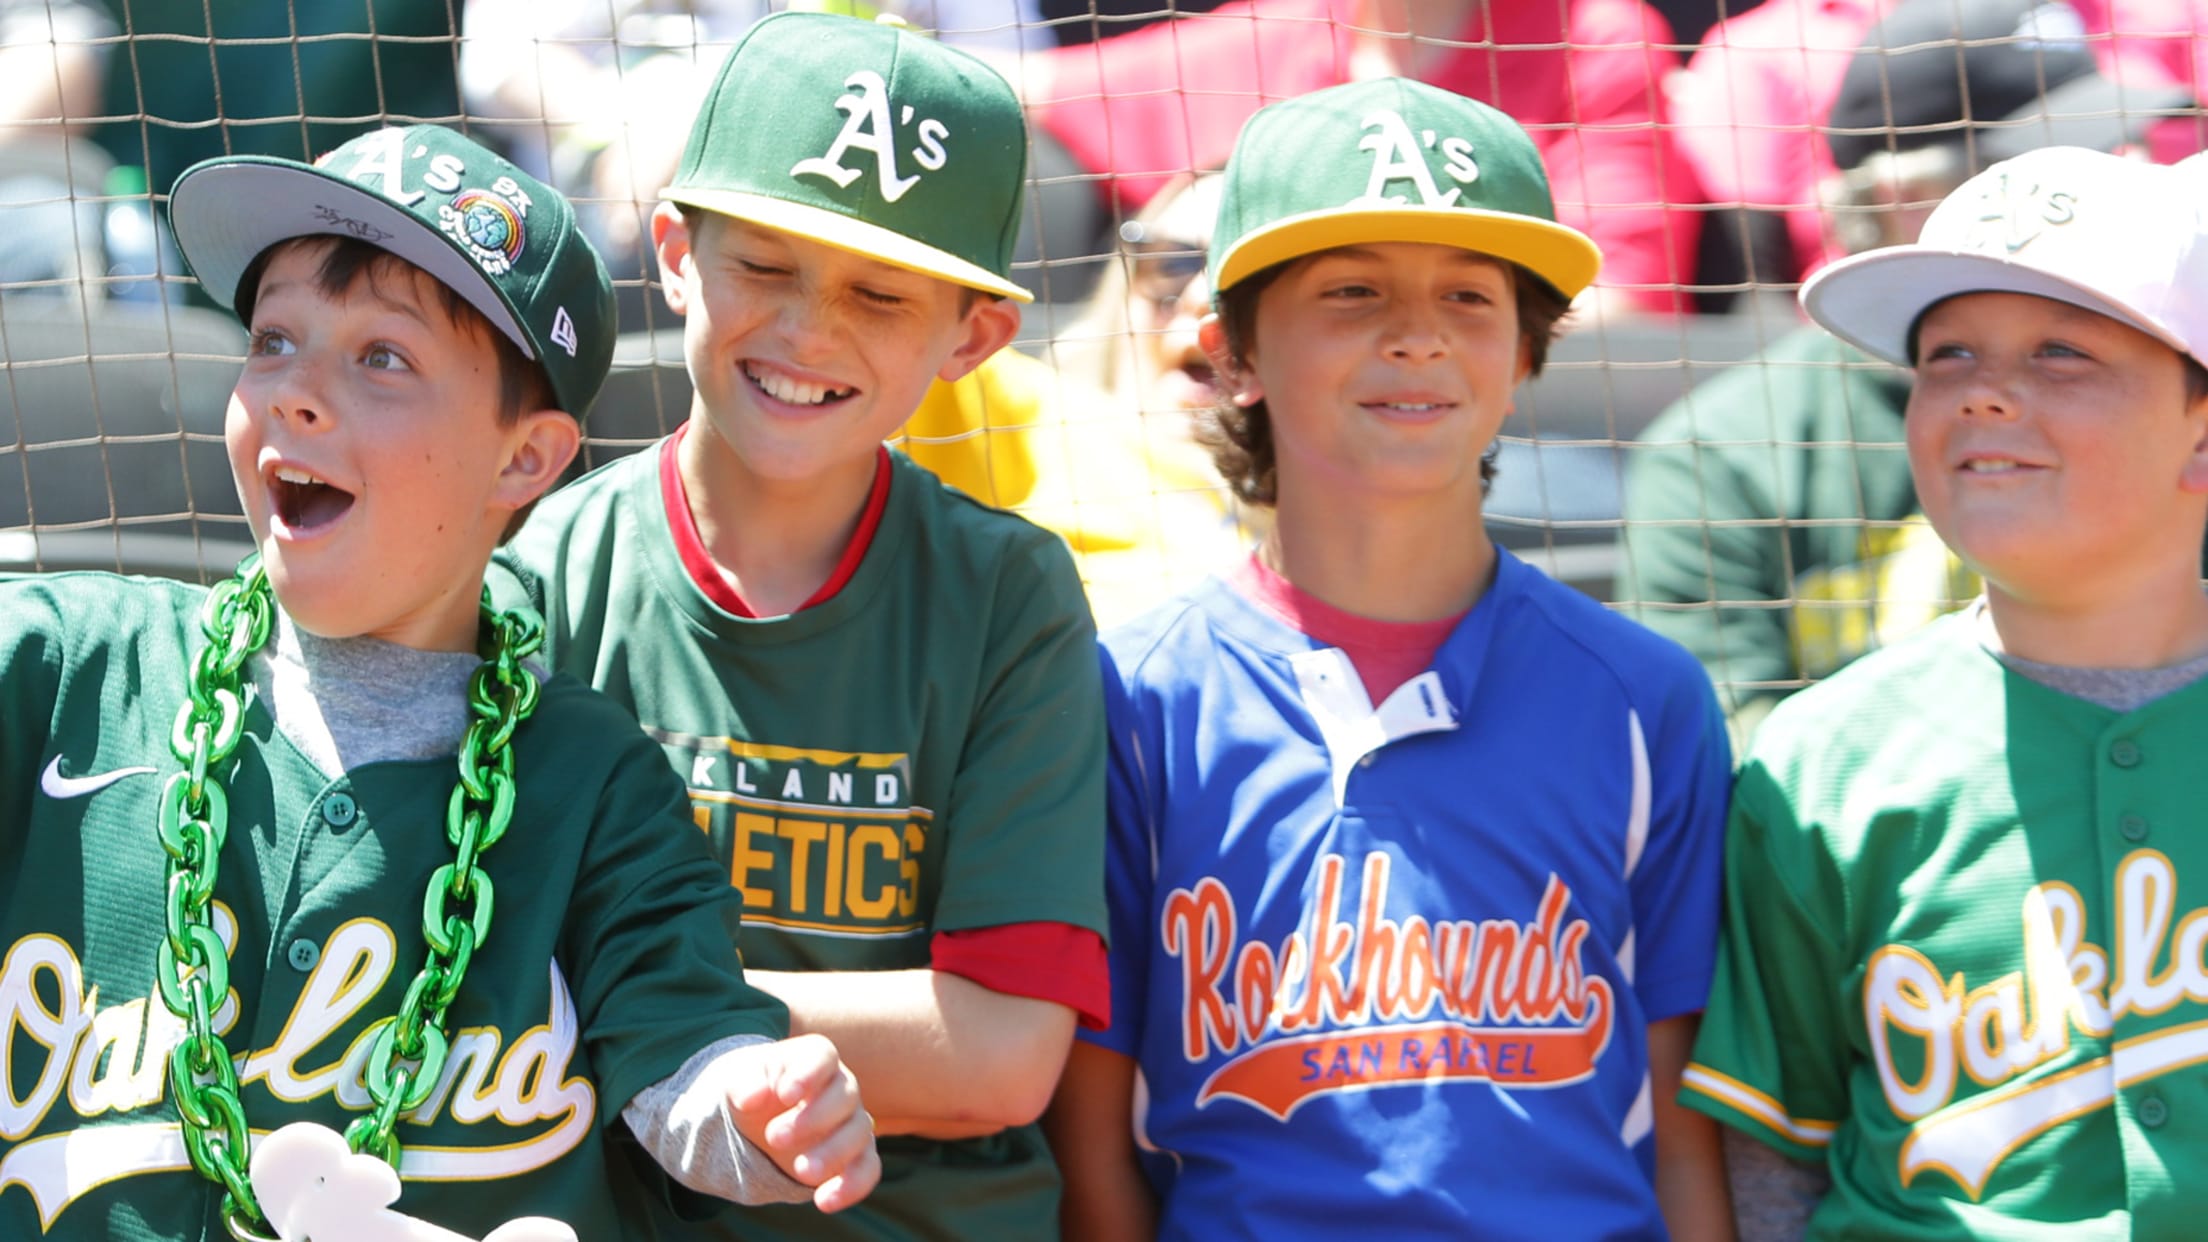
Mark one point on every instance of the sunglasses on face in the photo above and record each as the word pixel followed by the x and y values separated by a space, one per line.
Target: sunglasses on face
pixel 1160 272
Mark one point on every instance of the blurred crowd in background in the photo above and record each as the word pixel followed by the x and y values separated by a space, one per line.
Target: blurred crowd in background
pixel 1737 479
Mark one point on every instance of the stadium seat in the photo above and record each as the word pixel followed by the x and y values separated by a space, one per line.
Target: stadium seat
pixel 111 451
pixel 1558 492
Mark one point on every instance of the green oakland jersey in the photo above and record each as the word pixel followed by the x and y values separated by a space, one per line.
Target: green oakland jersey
pixel 607 963
pixel 921 752
pixel 1963 955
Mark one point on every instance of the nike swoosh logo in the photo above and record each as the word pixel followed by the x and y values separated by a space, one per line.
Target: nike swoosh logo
pixel 58 786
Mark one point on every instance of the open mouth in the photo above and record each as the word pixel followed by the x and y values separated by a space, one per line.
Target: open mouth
pixel 795 392
pixel 304 502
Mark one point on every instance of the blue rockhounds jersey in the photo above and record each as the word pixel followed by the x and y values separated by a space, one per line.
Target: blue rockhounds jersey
pixel 1398 963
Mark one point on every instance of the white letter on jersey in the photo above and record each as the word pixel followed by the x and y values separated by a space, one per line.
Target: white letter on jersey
pixel 54 1028
pixel 1902 991
pixel 866 127
pixel 355 963
pixel 701 772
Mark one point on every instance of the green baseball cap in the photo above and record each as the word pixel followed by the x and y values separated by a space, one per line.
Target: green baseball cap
pixel 1391 160
pixel 868 137
pixel 500 238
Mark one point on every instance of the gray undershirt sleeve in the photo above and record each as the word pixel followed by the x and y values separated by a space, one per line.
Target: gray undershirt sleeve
pixel 1772 1195
pixel 682 1120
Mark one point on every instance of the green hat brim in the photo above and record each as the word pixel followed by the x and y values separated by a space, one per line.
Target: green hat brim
pixel 1557 253
pixel 226 212
pixel 845 233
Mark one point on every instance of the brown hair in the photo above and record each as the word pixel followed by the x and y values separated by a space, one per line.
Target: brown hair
pixel 1241 437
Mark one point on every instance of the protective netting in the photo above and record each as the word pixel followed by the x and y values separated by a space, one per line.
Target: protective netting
pixel 1692 453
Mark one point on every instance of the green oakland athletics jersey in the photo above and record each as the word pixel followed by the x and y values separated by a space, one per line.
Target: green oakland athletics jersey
pixel 921 752
pixel 607 961
pixel 1963 954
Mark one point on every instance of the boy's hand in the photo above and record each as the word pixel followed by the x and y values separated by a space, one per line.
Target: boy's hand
pixel 802 1109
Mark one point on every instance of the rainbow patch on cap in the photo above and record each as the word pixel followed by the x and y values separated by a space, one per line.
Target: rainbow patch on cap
pixel 488 226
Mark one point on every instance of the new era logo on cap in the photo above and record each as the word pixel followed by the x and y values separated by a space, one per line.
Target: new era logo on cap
pixel 1390 160
pixel 498 237
pixel 841 131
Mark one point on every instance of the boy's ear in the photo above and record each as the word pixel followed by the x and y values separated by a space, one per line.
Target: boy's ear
pixel 671 245
pixel 2194 477
pixel 989 326
pixel 539 447
pixel 1239 383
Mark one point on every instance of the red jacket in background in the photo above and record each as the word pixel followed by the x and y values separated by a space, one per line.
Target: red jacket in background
pixel 1589 88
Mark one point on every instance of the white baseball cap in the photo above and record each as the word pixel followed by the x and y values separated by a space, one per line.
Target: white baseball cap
pixel 2117 236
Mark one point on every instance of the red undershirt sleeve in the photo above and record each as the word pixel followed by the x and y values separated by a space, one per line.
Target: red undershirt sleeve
pixel 1056 962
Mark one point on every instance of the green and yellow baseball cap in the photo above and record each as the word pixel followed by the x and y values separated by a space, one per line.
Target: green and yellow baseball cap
pixel 869 137
pixel 492 233
pixel 1391 160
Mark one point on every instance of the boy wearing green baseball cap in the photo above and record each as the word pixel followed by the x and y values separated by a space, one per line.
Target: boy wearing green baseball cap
pixel 882 694
pixel 255 972
pixel 1412 852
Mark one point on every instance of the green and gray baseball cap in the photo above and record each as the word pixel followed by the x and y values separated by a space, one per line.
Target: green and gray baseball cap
pixel 869 137
pixel 1391 160
pixel 492 233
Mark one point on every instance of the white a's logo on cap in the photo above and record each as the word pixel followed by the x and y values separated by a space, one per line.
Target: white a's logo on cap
pixel 867 127
pixel 1398 154
pixel 2013 211
pixel 383 155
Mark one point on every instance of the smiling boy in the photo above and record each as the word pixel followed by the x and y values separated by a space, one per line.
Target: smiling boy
pixel 1960 976
pixel 883 694
pixel 251 885
pixel 1412 851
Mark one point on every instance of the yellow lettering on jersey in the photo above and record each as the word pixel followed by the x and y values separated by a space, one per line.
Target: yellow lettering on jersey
pixel 820 871
pixel 803 835
pixel 823 841
pixel 2000 1031
pixel 749 859
pixel 881 903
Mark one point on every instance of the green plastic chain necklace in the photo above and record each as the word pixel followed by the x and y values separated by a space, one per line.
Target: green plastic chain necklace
pixel 193 966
